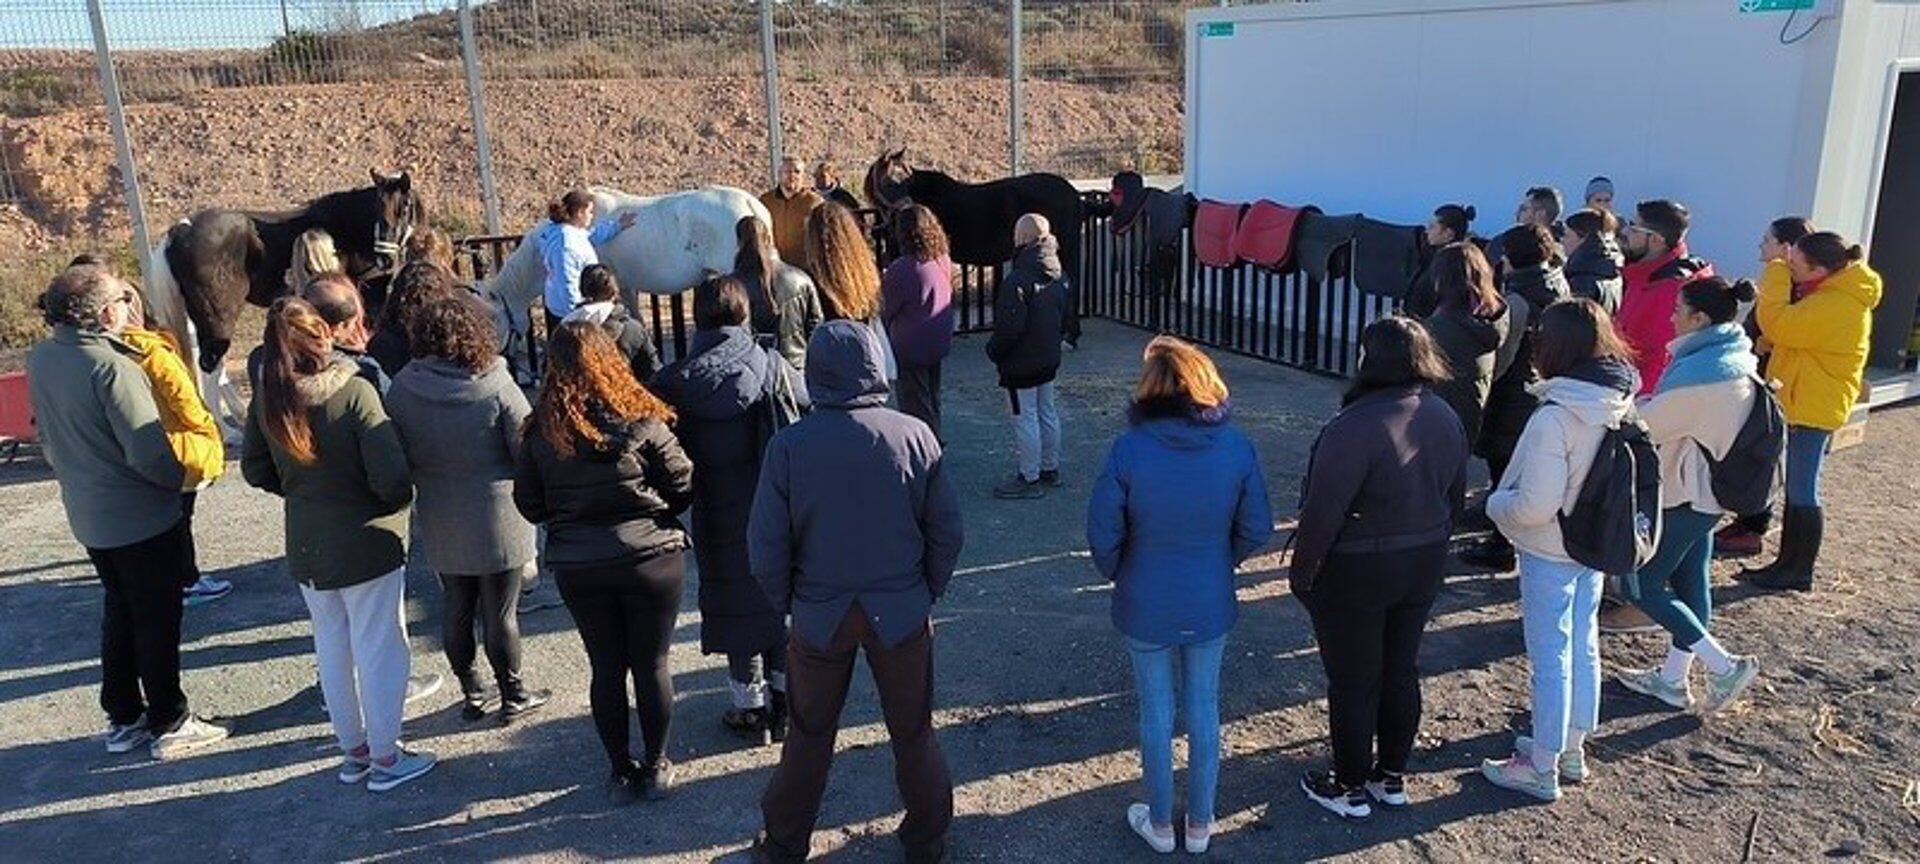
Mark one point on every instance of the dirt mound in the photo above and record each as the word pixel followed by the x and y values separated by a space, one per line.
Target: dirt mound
pixel 269 147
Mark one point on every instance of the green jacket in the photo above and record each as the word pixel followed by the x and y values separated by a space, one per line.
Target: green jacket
pixel 101 432
pixel 346 513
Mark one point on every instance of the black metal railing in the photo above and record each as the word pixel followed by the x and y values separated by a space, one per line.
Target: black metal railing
pixel 1287 318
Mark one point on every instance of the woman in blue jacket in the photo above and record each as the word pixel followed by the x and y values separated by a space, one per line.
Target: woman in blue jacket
pixel 1180 503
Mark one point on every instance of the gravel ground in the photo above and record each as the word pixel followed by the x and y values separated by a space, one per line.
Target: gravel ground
pixel 1034 694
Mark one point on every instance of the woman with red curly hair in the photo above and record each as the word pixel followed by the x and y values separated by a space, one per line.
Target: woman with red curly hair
pixel 606 475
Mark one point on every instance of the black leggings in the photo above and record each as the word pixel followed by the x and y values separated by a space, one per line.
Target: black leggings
pixel 625 613
pixel 496 597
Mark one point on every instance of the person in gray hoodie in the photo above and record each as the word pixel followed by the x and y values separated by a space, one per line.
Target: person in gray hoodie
pixel 120 484
pixel 855 531
pixel 459 414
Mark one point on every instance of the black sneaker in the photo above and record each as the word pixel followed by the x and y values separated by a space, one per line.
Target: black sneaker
pixel 623 788
pixel 1388 788
pixel 1017 487
pixel 1327 792
pixel 474 705
pixel 1050 478
pixel 527 702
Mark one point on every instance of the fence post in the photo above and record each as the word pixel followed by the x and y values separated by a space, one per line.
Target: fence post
pixel 477 101
pixel 1016 105
pixel 122 145
pixel 771 75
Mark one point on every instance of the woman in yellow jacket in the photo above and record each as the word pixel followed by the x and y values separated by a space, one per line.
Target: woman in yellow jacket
pixel 1819 354
pixel 191 432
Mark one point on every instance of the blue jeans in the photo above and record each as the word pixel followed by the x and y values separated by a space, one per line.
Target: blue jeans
pixel 1153 671
pixel 1560 611
pixel 1806 451
pixel 1674 588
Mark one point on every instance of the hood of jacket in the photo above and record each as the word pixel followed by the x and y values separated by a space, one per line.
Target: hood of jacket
pixel 317 388
pixel 1484 334
pixel 725 372
pixel 1856 282
pixel 1599 257
pixel 1196 432
pixel 1677 263
pixel 844 366
pixel 1041 257
pixel 1599 392
pixel 1709 355
pixel 442 381
pixel 595 313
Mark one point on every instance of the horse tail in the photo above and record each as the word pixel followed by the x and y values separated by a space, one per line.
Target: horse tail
pixel 167 302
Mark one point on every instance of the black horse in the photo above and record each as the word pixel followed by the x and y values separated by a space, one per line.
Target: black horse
pixel 979 217
pixel 220 260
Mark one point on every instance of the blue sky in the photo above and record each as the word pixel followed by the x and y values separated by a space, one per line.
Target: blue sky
pixel 160 24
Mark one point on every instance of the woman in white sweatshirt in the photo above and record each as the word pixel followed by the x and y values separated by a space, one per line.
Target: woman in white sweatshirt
pixel 1587 386
pixel 1702 400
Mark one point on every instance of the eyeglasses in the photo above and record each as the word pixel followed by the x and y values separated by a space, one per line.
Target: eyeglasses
pixel 1633 228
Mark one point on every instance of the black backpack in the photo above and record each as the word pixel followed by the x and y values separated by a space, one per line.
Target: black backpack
pixel 1614 525
pixel 1742 480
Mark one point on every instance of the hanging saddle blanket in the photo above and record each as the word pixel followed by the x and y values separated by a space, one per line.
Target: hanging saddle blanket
pixel 1386 257
pixel 1318 238
pixel 1213 229
pixel 1266 232
pixel 1128 197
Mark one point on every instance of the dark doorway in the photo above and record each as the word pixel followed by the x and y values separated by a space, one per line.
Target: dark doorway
pixel 1896 229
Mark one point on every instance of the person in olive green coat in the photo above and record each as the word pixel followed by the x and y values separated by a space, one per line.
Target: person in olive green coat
pixel 318 436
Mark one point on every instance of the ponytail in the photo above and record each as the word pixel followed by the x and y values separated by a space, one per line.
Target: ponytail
pixel 1716 298
pixel 563 208
pixel 1829 251
pixel 298 344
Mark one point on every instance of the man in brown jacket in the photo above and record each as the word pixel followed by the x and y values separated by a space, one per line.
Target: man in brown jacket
pixel 789 203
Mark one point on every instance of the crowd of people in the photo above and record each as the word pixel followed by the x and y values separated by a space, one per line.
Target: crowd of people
pixel 796 452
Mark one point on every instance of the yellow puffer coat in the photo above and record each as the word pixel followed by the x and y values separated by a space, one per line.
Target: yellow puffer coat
pixel 1820 343
pixel 190 429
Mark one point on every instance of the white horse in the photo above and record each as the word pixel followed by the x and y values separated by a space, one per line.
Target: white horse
pixel 676 241
pixel 168 307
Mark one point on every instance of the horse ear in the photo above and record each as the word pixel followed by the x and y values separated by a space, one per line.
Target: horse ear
pixel 900 154
pixel 404 180
pixel 379 179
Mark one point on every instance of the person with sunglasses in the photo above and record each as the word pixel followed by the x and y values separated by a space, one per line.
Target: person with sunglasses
pixel 1658 264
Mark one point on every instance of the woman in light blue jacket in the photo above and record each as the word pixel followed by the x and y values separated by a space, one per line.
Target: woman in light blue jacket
pixel 567 244
pixel 1180 503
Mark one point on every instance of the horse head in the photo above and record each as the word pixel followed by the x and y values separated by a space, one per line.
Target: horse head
pixel 399 212
pixel 886 181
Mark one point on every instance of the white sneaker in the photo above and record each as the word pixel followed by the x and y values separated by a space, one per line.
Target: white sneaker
pixel 1573 761
pixel 1198 836
pixel 407 765
pixel 1141 822
pixel 1724 690
pixel 193 734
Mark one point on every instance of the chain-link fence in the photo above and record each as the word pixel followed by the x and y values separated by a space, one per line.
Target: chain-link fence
pixel 263 104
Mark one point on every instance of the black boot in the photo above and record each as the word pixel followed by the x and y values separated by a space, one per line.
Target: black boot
pixel 1800 535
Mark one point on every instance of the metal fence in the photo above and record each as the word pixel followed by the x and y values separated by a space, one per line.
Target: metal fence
pixel 498 104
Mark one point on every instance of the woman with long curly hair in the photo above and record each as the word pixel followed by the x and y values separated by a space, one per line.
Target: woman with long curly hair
pixel 603 471
pixel 318 436
pixel 917 307
pixel 459 414
pixel 842 264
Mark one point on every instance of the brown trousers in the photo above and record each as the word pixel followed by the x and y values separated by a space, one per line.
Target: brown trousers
pixel 817 680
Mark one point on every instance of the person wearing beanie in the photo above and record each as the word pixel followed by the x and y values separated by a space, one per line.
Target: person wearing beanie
pixel 1600 195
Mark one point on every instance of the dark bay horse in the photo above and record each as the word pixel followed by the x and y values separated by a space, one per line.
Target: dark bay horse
pixel 210 266
pixel 979 217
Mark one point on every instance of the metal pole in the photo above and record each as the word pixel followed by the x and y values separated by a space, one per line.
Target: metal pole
pixel 122 145
pixel 771 74
pixel 1016 108
pixel 477 100
pixel 286 24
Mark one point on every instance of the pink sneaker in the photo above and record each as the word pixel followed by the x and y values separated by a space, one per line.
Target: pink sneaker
pixel 1516 772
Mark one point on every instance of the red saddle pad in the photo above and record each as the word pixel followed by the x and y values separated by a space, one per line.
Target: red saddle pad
pixel 1265 235
pixel 1213 229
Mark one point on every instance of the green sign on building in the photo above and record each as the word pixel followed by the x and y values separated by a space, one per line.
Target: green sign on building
pixel 1216 29
pixel 1752 6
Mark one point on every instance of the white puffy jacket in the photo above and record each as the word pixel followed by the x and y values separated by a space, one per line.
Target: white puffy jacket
pixel 1551 461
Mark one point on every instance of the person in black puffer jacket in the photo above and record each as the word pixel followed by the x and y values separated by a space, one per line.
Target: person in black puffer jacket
pixel 602 470
pixel 724 391
pixel 1530 284
pixel 603 307
pixel 1594 258
pixel 1029 319
pixel 1468 325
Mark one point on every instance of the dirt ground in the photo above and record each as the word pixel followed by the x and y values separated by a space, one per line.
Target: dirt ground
pixel 1035 705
